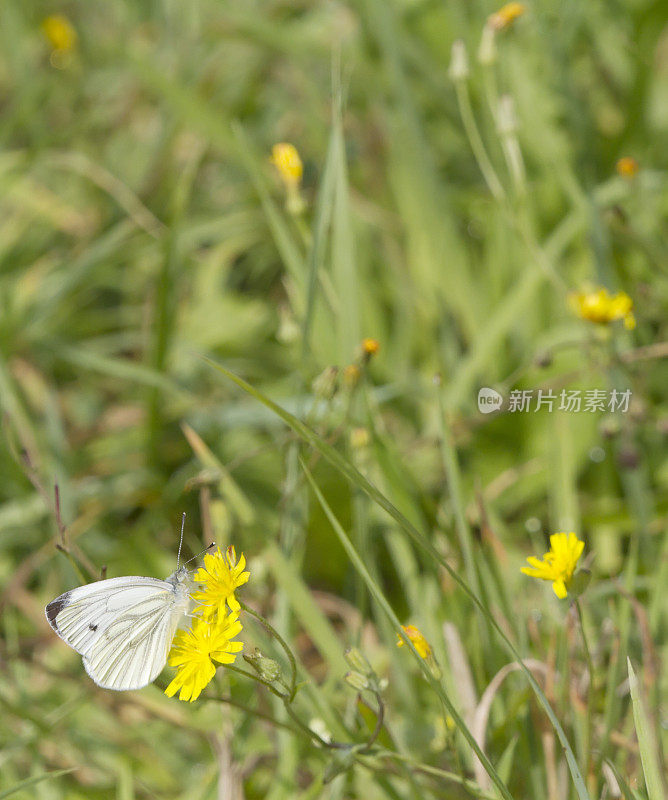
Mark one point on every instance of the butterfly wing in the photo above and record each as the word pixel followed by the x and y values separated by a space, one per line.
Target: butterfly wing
pixel 122 627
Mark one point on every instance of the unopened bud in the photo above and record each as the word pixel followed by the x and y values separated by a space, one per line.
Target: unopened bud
pixel 369 347
pixel 357 660
pixel 356 680
pixel 543 359
pixel 610 427
pixel 459 61
pixel 327 383
pixel 318 726
pixel 268 669
pixel 487 48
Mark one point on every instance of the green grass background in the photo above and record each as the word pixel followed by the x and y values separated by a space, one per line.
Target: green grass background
pixel 142 227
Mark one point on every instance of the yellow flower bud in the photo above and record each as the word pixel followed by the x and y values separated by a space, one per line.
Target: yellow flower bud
pixel 627 167
pixel 370 346
pixel 286 159
pixel 558 564
pixel 60 33
pixel 506 15
pixel 418 640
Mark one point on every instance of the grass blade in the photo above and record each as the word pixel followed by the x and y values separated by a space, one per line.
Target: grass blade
pixel 646 740
pixel 19 787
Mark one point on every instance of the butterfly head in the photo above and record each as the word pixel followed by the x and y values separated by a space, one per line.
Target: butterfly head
pixel 179 577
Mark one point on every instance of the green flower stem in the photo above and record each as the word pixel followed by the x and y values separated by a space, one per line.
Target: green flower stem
pixel 491 89
pixel 518 220
pixel 287 699
pixel 590 690
pixel 304 727
pixel 380 718
pixel 287 702
pixel 475 140
pixel 257 678
pixel 75 566
pixel 590 663
pixel 254 713
pixel 282 642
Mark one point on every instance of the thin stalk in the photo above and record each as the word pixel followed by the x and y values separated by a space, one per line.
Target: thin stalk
pixel 254 713
pixel 380 718
pixel 256 678
pixel 281 641
pixel 589 722
pixel 305 728
pixel 475 140
pixel 453 476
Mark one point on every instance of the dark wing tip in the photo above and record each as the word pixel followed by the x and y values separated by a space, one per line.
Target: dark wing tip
pixel 54 608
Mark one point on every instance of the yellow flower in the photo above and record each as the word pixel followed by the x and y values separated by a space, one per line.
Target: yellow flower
pixel 370 346
pixel 600 306
pixel 506 15
pixel 286 159
pixel 418 640
pixel 220 576
pixel 194 651
pixel 59 33
pixel 558 565
pixel 627 167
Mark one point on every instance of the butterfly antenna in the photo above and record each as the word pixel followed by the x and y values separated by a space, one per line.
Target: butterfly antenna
pixel 183 524
pixel 213 544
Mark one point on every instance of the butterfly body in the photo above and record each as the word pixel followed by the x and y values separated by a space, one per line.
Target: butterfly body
pixel 122 627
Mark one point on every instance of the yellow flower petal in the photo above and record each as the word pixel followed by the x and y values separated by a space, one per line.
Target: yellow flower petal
pixel 60 33
pixel 286 159
pixel 194 651
pixel 601 307
pixel 220 577
pixel 506 15
pixel 418 640
pixel 560 589
pixel 627 167
pixel 559 563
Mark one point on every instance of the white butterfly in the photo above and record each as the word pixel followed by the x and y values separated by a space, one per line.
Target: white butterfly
pixel 122 627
